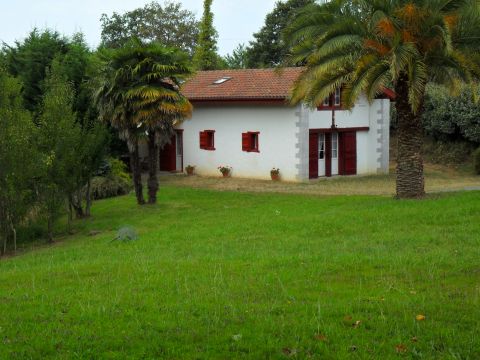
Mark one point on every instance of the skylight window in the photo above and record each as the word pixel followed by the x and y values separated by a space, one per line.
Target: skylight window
pixel 222 80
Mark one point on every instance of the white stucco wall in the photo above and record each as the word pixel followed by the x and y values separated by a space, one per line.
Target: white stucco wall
pixel 277 140
pixel 372 145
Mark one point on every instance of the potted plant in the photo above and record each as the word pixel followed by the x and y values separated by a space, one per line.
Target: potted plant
pixel 275 174
pixel 225 170
pixel 190 169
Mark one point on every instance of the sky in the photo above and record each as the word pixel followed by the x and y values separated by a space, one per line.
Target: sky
pixel 235 20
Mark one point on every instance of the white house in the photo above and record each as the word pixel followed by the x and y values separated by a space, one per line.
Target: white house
pixel 242 119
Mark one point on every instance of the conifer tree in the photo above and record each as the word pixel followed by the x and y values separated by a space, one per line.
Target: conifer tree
pixel 206 57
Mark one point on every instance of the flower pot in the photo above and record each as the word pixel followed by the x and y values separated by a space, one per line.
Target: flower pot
pixel 226 174
pixel 275 177
pixel 190 172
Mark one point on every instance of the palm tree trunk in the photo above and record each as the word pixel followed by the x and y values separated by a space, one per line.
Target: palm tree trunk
pixel 152 167
pixel 410 179
pixel 137 174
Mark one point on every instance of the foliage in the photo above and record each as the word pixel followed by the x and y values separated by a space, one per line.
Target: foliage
pixel 103 187
pixel 126 233
pixel 269 48
pixel 225 169
pixel 238 59
pixel 139 94
pixel 451 118
pixel 212 265
pixel 275 171
pixel 112 180
pixel 476 161
pixel 59 137
pixel 170 25
pixel 365 46
pixel 18 159
pixel 29 61
pixel 206 56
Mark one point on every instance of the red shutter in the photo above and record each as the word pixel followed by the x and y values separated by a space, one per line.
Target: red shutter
pixel 328 154
pixel 348 153
pixel 313 156
pixel 203 140
pixel 246 142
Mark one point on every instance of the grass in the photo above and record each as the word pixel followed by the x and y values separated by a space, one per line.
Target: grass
pixel 230 275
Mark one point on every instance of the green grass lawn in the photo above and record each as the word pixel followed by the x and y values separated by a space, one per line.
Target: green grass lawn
pixel 225 275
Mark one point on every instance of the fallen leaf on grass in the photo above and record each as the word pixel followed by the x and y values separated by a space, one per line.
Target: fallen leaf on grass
pixel 356 324
pixel 401 348
pixel 321 337
pixel 289 352
pixel 420 317
pixel 353 348
pixel 237 337
pixel 414 339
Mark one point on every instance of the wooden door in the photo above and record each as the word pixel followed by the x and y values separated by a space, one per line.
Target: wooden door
pixel 168 156
pixel 347 161
pixel 313 156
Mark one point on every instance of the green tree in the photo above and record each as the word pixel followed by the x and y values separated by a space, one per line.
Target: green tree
pixel 139 94
pixel 18 159
pixel 169 25
pixel 59 136
pixel 29 60
pixel 238 59
pixel 364 46
pixel 206 56
pixel 269 48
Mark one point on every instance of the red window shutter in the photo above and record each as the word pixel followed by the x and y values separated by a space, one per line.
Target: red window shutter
pixel 347 161
pixel 203 140
pixel 313 156
pixel 246 142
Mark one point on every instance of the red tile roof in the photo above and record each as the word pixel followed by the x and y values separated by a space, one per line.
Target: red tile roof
pixel 245 84
pixel 248 85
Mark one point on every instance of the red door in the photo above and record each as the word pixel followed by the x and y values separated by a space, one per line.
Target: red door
pixel 168 160
pixel 313 156
pixel 347 162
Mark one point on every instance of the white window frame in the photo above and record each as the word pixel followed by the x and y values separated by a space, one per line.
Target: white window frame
pixel 338 97
pixel 334 145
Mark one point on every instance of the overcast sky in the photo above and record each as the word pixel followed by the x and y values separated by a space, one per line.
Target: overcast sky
pixel 235 20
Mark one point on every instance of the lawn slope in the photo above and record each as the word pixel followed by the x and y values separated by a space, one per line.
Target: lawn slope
pixel 225 275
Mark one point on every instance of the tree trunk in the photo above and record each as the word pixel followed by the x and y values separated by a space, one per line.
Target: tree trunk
pixel 88 199
pixel 153 153
pixel 137 174
pixel 50 229
pixel 410 179
pixel 76 203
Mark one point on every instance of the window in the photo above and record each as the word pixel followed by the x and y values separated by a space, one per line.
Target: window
pixel 221 80
pixel 334 145
pixel 250 141
pixel 207 140
pixel 333 101
pixel 338 97
pixel 321 146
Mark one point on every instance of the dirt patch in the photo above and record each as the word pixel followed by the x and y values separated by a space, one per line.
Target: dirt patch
pixel 437 179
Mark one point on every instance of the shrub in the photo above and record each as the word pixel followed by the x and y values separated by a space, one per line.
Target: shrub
pixel 476 161
pixel 109 186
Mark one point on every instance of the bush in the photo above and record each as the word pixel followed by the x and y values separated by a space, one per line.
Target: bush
pixel 109 186
pixel 476 161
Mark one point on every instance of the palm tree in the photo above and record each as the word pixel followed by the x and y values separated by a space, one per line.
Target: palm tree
pixel 141 97
pixel 364 46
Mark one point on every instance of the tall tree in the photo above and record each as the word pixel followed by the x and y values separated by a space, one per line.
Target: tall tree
pixel 269 48
pixel 364 46
pixel 206 56
pixel 140 95
pixel 18 159
pixel 170 25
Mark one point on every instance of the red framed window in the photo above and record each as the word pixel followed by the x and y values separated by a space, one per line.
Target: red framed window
pixel 250 141
pixel 334 101
pixel 207 140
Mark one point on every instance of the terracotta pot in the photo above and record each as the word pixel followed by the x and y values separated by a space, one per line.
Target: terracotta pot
pixel 226 174
pixel 190 171
pixel 275 177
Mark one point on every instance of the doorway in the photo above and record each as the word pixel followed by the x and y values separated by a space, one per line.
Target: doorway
pixel 171 156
